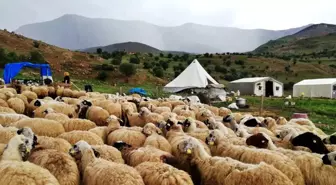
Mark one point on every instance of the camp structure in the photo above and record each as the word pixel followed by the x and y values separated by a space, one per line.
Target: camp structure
pixel 316 88
pixel 12 69
pixel 258 86
pixel 193 77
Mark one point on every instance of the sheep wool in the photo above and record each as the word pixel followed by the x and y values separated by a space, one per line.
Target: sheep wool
pixel 154 173
pixel 77 135
pixel 17 105
pixel 6 110
pixel 7 133
pixel 41 127
pixel 30 95
pixel 77 124
pixel 67 93
pixel 56 117
pixel 59 164
pixel 58 144
pixel 6 119
pixel 101 132
pixel 130 135
pixel 109 153
pixel 3 103
pixel 98 115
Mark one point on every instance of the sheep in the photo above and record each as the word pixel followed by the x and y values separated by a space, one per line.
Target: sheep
pixel 330 139
pixel 130 135
pixel 154 173
pixel 77 94
pixel 6 119
pixel 60 164
pixel 56 116
pixel 58 107
pixel 7 110
pixel 98 171
pixel 311 165
pixel 67 92
pixel 111 107
pixel 7 133
pixel 41 127
pixel 204 114
pixel 30 95
pixel 109 153
pixel 213 124
pixel 281 121
pixel 14 171
pixel 58 144
pixel 311 141
pixel 154 139
pixel 134 156
pixel 77 124
pixel 17 105
pixel 223 112
pixel 189 126
pixel 77 135
pixel 329 159
pixel 11 90
pixel 150 117
pixel 230 170
pixel 101 132
pixel 158 110
pixel 93 113
pixel 3 103
pixel 221 146
pixel 41 91
pixel 134 119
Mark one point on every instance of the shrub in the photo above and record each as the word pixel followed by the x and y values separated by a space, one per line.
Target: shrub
pixel 240 62
pixel 158 72
pixel 156 58
pixel 147 65
pixel 127 69
pixel 161 55
pixel 288 86
pixel 36 44
pixel 164 65
pixel 116 61
pixel 220 69
pixel 228 63
pixel 99 51
pixel 107 67
pixel 170 55
pixel 206 55
pixel 176 58
pixel 102 76
pixel 150 54
pixel 36 56
pixel 135 60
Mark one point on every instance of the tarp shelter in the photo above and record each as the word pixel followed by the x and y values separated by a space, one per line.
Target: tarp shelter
pixel 324 87
pixel 137 90
pixel 12 69
pixel 259 86
pixel 194 76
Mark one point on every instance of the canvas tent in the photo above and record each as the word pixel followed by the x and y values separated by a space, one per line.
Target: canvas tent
pixel 12 69
pixel 324 87
pixel 258 86
pixel 194 76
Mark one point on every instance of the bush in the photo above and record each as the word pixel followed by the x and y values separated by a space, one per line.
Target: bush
pixel 99 51
pixel 164 65
pixel 158 72
pixel 150 54
pixel 240 62
pixel 220 69
pixel 288 86
pixel 206 55
pixel 102 76
pixel 107 67
pixel 36 44
pixel 228 63
pixel 147 65
pixel 127 69
pixel 135 60
pixel 170 55
pixel 116 61
pixel 36 56
pixel 156 58
pixel 106 55
pixel 161 55
pixel 12 56
pixel 176 58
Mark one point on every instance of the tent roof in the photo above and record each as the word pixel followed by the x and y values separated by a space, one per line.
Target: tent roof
pixel 194 76
pixel 254 79
pixel 321 81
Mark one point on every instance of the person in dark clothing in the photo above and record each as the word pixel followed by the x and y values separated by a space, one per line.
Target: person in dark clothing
pixel 66 78
pixel 47 81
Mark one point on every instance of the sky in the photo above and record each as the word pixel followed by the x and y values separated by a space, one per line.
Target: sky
pixel 248 14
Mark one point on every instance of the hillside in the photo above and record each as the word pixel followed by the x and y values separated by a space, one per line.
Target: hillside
pixel 127 47
pixel 78 32
pixel 315 38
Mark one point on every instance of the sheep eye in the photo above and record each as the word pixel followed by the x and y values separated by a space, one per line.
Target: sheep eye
pixel 278 136
pixel 263 141
pixel 314 141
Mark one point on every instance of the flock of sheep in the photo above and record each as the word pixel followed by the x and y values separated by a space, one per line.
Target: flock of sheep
pixel 59 136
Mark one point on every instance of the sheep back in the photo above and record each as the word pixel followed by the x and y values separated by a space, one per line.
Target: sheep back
pixel 41 127
pixel 109 153
pixel 7 110
pixel 58 144
pixel 17 105
pixel 74 136
pixel 77 124
pixel 9 118
pixel 130 135
pixel 3 103
pixel 97 115
pixel 101 132
pixel 158 142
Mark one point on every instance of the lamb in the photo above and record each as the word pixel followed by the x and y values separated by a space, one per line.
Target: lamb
pixel 230 170
pixel 59 164
pixel 77 135
pixel 109 153
pixel 14 171
pixel 154 139
pixel 134 156
pixel 310 164
pixel 17 105
pixel 98 171
pixel 41 127
pixel 154 173
pixel 222 147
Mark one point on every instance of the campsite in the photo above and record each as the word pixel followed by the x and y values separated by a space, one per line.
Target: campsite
pixel 167 93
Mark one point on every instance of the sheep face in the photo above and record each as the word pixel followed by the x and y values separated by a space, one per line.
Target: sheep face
pixel 113 118
pixel 37 103
pixel 281 121
pixel 81 146
pixel 29 134
pixel 144 111
pixel 257 140
pixel 48 110
pixel 186 147
pixel 330 140
pixel 186 124
pixel 329 159
pixel 283 133
pixel 22 144
pixel 150 128
pixel 59 99
pixel 211 138
pixel 311 141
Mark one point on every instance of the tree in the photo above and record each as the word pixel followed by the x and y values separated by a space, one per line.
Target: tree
pixel 102 76
pixel 127 69
pixel 36 56
pixel 164 65
pixel 36 44
pixel 206 55
pixel 99 51
pixel 185 56
pixel 170 55
pixel 158 72
pixel 156 58
pixel 228 63
pixel 319 62
pixel 249 55
pixel 105 55
pixel 161 55
pixel 12 56
pixel 3 55
pixel 176 58
pixel 233 70
pixel 150 54
pixel 240 62
pixel 147 65
pixel 134 60
pixel 116 61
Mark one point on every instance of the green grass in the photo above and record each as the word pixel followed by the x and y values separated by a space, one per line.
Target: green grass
pixel 321 111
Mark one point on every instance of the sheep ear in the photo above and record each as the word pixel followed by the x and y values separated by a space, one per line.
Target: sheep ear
pixel 19 131
pixel 96 153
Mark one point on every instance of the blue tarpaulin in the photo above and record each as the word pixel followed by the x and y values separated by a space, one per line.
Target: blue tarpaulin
pixel 137 90
pixel 12 69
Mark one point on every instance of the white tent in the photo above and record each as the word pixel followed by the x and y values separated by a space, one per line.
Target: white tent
pixel 324 87
pixel 194 76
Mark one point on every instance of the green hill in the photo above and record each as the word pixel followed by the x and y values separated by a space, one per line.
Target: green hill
pixel 126 46
pixel 314 39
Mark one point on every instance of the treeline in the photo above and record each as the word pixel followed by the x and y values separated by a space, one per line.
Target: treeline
pixel 9 57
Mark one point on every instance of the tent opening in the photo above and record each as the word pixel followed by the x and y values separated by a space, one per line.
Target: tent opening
pixel 269 89
pixel 334 92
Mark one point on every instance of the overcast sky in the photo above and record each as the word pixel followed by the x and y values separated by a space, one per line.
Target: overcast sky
pixel 267 14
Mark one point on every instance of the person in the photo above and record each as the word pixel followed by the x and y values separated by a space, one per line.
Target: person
pixel 66 78
pixel 47 81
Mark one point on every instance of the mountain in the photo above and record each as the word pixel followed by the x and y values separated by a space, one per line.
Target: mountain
pixel 78 32
pixel 127 46
pixel 315 38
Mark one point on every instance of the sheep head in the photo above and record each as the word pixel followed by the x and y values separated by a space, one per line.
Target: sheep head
pixel 258 140
pixel 329 159
pixel 19 143
pixel 211 123
pixel 48 110
pixel 187 123
pixel 186 146
pixel 281 121
pixel 38 103
pixel 311 141
pixel 144 111
pixel 112 119
pixel 150 128
pixel 29 134
pixel 80 147
pixel 213 137
pixel 269 122
pixel 59 98
pixel 330 139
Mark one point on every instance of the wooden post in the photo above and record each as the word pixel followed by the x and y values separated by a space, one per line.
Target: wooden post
pixel 157 92
pixel 261 105
pixel 120 90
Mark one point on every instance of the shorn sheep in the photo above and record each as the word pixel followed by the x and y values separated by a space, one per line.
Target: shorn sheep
pixel 98 171
pixel 14 171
